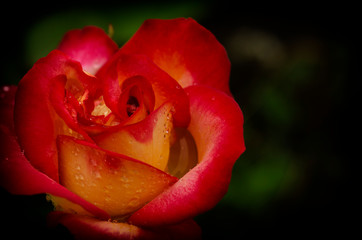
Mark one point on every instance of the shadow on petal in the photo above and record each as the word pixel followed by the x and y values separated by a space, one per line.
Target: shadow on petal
pixel 83 227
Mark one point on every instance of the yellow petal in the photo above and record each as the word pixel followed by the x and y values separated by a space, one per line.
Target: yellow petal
pixel 117 184
pixel 147 141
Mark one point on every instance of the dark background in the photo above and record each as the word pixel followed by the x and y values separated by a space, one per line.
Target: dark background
pixel 294 74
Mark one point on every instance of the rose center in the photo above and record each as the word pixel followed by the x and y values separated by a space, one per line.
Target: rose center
pixel 100 108
pixel 132 105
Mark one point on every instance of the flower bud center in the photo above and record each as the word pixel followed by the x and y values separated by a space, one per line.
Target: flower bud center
pixel 132 105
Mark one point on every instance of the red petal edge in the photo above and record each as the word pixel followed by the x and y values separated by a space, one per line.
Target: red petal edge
pixel 18 176
pixel 91 46
pixel 83 227
pixel 37 122
pixel 217 127
pixel 184 49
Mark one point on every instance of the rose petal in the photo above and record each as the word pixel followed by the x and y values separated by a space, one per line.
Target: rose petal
pixel 57 100
pixel 183 153
pixel 147 141
pixel 185 50
pixel 217 127
pixel 18 176
pixel 122 67
pixel 83 227
pixel 91 46
pixel 115 183
pixel 37 122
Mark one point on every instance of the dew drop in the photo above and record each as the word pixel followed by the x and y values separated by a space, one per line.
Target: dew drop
pixel 98 175
pixel 124 179
pixel 133 202
pixel 93 162
pixel 74 153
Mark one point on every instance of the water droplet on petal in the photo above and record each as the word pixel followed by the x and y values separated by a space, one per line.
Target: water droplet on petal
pixel 133 202
pixel 98 175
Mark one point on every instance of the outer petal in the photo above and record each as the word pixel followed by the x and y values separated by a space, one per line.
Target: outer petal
pixel 18 176
pixel 90 228
pixel 216 125
pixel 185 50
pixel 91 46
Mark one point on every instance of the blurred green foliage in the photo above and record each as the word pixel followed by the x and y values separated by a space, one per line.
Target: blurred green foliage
pixel 290 74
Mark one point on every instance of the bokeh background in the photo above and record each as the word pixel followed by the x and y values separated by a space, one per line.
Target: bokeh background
pixel 293 74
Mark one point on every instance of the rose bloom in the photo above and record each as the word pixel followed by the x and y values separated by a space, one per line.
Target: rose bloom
pixel 129 142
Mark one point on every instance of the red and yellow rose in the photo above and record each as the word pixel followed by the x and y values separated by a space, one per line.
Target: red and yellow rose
pixel 125 142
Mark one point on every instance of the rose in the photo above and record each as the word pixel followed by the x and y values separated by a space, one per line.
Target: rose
pixel 129 142
pixel 102 130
